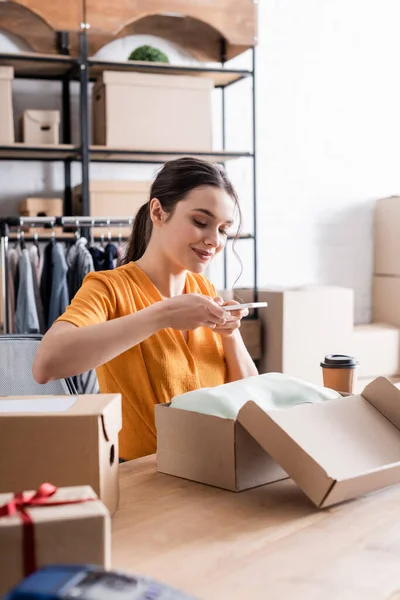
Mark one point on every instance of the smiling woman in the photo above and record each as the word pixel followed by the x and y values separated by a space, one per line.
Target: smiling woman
pixel 155 328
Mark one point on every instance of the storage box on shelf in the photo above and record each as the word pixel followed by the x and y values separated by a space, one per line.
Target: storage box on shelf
pixel 112 199
pixel 6 106
pixel 40 127
pixel 152 112
pixel 41 207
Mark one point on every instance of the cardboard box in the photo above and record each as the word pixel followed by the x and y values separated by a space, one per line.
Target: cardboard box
pixel 301 326
pixel 113 199
pixel 41 207
pixel 387 237
pixel 41 127
pixel 386 299
pixel 144 111
pixel 70 533
pixel 211 450
pixel 67 440
pixel 362 382
pixel 377 348
pixel 334 450
pixel 6 106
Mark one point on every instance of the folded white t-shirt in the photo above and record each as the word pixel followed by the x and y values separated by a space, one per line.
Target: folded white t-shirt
pixel 269 391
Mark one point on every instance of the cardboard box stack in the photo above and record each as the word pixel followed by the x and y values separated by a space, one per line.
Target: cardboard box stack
pixel 386 288
pixel 63 450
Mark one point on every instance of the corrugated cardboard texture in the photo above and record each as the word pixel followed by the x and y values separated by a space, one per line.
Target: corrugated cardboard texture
pixel 152 112
pixel 334 450
pixel 75 533
pixel 76 447
pixel 211 450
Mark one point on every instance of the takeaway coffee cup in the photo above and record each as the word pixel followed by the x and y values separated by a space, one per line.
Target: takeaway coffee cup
pixel 339 372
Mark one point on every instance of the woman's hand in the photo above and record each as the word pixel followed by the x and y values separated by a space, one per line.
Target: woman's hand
pixel 232 323
pixel 189 311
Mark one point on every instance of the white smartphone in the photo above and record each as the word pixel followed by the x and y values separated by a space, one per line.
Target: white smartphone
pixel 232 307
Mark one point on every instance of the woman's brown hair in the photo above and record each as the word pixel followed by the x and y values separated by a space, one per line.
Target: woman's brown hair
pixel 172 184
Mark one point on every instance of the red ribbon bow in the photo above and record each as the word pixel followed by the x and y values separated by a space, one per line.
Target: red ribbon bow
pixel 18 504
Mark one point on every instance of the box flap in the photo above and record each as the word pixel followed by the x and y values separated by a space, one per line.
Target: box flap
pixel 335 447
pixel 156 80
pixel 32 406
pixel 363 484
pixel 286 452
pixel 385 397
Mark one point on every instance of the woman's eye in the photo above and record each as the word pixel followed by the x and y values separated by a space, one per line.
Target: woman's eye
pixel 199 223
pixel 223 231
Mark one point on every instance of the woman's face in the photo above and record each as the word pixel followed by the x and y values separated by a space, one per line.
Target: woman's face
pixel 198 228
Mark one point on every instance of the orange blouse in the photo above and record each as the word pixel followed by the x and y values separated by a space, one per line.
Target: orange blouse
pixel 162 366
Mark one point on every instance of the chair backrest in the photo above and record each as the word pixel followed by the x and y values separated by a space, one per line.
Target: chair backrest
pixel 16 359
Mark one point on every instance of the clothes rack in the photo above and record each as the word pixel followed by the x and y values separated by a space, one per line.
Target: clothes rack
pixel 78 223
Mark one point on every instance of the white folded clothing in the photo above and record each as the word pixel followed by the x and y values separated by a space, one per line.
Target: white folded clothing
pixel 269 391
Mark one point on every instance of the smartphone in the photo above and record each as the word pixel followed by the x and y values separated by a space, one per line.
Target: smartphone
pixel 242 306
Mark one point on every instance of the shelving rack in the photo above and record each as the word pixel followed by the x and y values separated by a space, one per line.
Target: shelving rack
pixel 83 69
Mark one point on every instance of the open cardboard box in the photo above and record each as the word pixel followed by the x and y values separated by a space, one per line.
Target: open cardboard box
pixel 334 450
pixel 211 450
pixel 65 440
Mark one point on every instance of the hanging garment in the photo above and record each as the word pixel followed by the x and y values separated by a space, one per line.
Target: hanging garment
pixel 80 263
pixel 47 279
pixel 26 316
pixel 35 265
pixel 110 256
pixel 59 298
pixel 12 258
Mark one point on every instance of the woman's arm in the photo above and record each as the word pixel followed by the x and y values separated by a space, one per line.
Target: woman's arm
pixel 67 350
pixel 238 360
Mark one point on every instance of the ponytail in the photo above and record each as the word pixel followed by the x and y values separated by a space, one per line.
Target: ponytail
pixel 140 235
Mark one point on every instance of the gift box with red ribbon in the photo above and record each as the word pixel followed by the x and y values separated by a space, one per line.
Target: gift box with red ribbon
pixel 51 526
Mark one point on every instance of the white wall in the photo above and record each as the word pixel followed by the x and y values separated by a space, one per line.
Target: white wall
pixel 328 96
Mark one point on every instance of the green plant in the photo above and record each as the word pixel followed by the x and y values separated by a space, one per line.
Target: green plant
pixel 148 54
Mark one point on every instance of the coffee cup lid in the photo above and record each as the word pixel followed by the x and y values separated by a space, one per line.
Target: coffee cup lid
pixel 339 361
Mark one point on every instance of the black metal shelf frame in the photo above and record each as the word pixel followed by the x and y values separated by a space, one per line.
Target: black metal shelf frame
pixel 65 68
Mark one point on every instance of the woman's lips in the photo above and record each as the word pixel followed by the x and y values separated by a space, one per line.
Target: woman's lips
pixel 202 255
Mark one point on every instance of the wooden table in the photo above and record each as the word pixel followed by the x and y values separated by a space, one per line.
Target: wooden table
pixel 268 543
